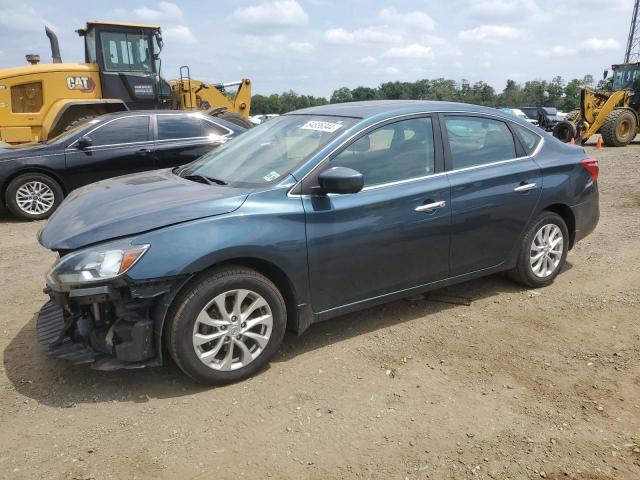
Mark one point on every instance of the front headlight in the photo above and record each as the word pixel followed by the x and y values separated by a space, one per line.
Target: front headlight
pixel 94 265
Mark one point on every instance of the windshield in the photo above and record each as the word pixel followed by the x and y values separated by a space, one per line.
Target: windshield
pixel 67 134
pixel 269 151
pixel 625 76
pixel 126 52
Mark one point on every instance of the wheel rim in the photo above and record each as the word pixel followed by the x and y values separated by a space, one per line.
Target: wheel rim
pixel 35 198
pixel 232 330
pixel 546 250
pixel 624 128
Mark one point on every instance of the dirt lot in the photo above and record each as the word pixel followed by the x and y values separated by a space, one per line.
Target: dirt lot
pixel 520 384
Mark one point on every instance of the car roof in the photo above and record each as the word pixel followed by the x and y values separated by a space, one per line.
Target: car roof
pixel 374 108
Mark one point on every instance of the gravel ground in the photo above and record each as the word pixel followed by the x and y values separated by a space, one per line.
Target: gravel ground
pixel 519 384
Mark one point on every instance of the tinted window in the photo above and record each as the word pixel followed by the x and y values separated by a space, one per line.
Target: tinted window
pixel 397 151
pixel 476 141
pixel 210 128
pixel 178 126
pixel 527 138
pixel 123 130
pixel 126 52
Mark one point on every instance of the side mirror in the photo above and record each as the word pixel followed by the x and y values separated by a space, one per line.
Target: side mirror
pixel 84 143
pixel 340 180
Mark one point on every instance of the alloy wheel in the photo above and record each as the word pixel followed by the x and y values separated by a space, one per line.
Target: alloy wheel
pixel 35 198
pixel 546 250
pixel 232 330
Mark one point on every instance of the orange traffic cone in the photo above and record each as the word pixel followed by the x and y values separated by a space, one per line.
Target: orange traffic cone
pixel 573 141
pixel 599 142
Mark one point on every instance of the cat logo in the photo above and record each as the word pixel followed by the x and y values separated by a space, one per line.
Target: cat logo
pixel 84 84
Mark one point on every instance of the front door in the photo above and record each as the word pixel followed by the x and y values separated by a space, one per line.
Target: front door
pixel 121 146
pixel 391 236
pixel 181 138
pixel 494 190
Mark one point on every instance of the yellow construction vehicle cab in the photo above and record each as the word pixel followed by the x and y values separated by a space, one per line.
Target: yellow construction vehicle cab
pixel 615 115
pixel 121 71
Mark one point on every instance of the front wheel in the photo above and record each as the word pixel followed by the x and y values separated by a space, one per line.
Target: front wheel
pixel 226 326
pixel 33 196
pixel 543 251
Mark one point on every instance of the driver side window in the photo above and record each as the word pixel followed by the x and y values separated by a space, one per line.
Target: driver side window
pixel 393 152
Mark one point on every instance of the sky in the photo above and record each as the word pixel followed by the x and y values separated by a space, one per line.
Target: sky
pixel 316 46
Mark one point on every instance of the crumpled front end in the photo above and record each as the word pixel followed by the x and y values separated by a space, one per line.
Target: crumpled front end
pixel 111 326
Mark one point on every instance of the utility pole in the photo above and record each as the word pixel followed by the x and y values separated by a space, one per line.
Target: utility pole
pixel 633 44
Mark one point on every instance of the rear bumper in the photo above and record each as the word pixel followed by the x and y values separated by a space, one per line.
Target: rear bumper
pixel 587 214
pixel 109 326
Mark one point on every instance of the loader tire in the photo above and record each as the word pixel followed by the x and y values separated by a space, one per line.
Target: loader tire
pixel 565 131
pixel 236 119
pixel 619 128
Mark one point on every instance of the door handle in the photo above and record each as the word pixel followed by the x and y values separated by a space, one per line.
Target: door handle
pixel 525 187
pixel 144 151
pixel 431 207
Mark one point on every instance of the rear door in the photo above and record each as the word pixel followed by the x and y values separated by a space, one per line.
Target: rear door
pixel 495 187
pixel 392 235
pixel 183 137
pixel 120 146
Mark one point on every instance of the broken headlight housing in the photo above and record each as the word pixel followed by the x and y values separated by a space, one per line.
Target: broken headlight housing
pixel 94 265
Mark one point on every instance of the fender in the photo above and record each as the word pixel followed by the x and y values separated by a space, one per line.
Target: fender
pixel 59 108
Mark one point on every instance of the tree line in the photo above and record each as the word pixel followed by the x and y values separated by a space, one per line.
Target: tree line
pixel 535 93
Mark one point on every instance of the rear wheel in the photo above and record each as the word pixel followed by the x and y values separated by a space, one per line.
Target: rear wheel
pixel 33 196
pixel 226 326
pixel 236 119
pixel 619 128
pixel 543 251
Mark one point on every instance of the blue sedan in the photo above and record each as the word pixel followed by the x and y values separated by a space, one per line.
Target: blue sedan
pixel 312 215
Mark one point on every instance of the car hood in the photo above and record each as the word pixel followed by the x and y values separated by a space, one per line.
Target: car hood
pixel 8 152
pixel 133 204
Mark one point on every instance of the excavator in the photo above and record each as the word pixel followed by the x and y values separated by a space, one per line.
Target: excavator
pixel 615 115
pixel 121 71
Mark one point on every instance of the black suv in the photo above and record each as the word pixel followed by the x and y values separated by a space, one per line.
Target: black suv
pixel 547 117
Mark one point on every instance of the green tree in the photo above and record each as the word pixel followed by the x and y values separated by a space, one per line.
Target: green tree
pixel 555 92
pixel 571 99
pixel 341 95
pixel 363 93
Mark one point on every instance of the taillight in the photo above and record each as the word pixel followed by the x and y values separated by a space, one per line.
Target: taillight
pixel 591 166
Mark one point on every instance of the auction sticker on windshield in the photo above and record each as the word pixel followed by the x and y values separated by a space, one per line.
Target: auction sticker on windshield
pixel 320 126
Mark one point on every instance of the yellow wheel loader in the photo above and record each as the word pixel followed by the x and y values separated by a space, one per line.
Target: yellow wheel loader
pixel 121 72
pixel 615 115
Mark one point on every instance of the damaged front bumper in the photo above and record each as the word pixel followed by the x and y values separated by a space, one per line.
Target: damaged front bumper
pixel 111 326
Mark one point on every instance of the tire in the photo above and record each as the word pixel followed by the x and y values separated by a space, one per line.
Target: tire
pixel 78 121
pixel 523 272
pixel 565 131
pixel 236 119
pixel 197 316
pixel 33 196
pixel 619 128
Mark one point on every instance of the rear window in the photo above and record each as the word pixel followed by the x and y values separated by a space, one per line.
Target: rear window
pixel 477 141
pixel 171 127
pixel 528 139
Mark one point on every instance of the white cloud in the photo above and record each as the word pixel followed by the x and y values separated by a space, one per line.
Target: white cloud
pixel 490 33
pixel 591 45
pixel 275 44
pixel 486 64
pixel 360 36
pixel 282 13
pixel 179 34
pixel 416 20
pixel 413 50
pixel 166 12
pixel 368 60
pixel 22 18
pixel 599 45
pixel 503 8
pixel 302 47
pixel 391 71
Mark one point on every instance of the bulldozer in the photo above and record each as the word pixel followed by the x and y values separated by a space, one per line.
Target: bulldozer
pixel 614 114
pixel 121 71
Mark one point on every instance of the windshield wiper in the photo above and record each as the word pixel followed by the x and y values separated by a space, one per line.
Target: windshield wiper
pixel 205 179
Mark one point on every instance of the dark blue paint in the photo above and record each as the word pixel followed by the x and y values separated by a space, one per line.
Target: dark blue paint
pixel 339 252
